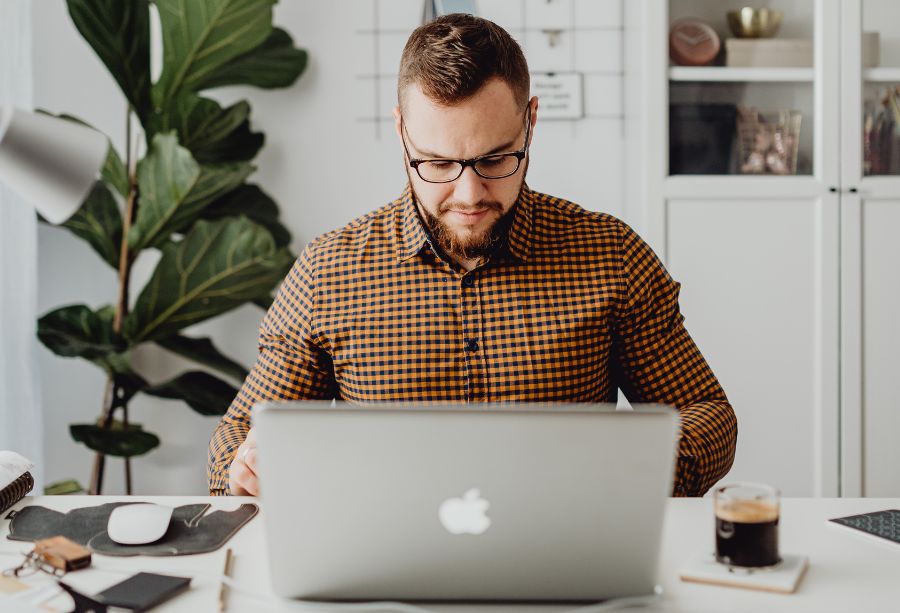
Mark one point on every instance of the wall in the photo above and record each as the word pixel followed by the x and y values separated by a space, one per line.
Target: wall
pixel 326 117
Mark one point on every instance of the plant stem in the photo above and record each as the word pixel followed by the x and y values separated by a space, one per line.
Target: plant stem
pixel 112 397
pixel 96 485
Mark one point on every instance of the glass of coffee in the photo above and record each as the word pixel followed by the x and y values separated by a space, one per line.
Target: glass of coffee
pixel 747 525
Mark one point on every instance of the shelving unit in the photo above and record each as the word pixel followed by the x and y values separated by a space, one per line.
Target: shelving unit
pixel 750 75
pixel 882 75
pixel 788 282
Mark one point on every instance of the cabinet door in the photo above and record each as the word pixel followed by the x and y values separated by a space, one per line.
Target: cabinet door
pixel 760 298
pixel 881 339
pixel 870 335
pixel 870 217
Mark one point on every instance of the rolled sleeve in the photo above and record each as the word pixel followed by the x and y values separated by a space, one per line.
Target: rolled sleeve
pixel 658 362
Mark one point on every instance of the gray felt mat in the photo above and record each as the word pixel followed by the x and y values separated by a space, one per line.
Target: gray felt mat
pixel 191 530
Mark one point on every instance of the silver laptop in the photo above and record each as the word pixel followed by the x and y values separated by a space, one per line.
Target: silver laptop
pixel 538 503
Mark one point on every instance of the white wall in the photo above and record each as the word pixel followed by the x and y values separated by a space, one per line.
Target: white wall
pixel 308 127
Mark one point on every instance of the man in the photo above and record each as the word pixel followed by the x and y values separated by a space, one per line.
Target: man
pixel 471 287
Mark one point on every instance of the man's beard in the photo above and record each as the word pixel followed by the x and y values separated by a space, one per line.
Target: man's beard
pixel 470 245
pixel 467 244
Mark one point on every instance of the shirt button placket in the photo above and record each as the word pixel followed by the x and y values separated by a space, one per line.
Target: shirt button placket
pixel 471 312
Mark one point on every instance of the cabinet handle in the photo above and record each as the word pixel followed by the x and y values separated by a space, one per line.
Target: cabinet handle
pixel 832 189
pixel 853 190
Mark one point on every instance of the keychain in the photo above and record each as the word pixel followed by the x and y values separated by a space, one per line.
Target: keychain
pixel 55 556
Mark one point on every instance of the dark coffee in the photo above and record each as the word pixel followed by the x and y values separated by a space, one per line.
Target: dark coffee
pixel 747 533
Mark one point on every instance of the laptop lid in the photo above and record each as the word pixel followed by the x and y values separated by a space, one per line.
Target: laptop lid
pixel 522 502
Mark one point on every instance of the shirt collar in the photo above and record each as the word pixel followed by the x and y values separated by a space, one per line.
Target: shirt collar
pixel 412 235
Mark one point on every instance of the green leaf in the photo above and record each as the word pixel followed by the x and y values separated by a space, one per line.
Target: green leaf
pixel 214 182
pixel 77 331
pixel 119 32
pixel 211 133
pixel 175 189
pixel 251 201
pixel 264 302
pixel 117 441
pixel 62 488
pixel 274 63
pixel 218 266
pixel 99 222
pixel 206 394
pixel 203 351
pixel 200 36
pixel 241 145
pixel 166 176
pixel 115 173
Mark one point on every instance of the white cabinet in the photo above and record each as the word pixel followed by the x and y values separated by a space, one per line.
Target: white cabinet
pixel 870 282
pixel 789 282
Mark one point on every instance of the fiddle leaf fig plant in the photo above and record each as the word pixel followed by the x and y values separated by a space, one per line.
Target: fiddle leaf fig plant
pixel 220 240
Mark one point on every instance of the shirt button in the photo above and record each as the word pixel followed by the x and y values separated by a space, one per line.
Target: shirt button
pixel 471 344
pixel 468 281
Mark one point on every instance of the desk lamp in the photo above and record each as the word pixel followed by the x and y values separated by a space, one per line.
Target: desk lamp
pixel 51 162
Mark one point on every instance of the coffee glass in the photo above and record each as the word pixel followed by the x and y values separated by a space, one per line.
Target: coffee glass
pixel 747 517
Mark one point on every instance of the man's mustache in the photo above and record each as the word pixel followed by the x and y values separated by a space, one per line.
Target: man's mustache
pixel 491 205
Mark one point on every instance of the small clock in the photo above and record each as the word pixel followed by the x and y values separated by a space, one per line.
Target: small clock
pixel 693 42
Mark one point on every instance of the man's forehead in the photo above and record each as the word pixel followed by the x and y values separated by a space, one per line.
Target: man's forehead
pixel 495 95
pixel 486 118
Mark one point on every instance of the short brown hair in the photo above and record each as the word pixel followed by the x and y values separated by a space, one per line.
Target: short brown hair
pixel 452 57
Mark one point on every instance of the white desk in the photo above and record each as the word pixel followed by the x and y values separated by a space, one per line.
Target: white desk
pixel 847 572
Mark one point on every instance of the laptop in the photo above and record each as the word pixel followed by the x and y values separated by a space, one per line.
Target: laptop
pixel 536 503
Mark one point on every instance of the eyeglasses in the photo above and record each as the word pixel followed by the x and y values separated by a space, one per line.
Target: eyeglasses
pixel 490 166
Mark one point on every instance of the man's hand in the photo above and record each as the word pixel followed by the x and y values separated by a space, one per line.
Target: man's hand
pixel 242 478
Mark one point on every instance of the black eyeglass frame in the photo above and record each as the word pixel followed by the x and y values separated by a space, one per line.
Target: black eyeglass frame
pixel 463 163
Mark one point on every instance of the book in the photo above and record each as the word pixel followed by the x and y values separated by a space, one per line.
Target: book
pixel 16 491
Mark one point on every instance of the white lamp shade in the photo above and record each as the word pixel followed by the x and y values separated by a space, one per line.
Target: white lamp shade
pixel 51 162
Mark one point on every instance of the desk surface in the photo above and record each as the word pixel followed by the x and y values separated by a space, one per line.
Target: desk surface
pixel 847 572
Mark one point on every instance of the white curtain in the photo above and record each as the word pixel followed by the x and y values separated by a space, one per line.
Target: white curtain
pixel 21 423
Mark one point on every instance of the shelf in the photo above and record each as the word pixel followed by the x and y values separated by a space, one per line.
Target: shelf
pixel 729 74
pixel 882 75
pixel 737 187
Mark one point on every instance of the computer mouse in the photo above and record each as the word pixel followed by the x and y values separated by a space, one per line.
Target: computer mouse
pixel 139 523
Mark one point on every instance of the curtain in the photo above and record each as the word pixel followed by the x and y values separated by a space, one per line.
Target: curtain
pixel 21 422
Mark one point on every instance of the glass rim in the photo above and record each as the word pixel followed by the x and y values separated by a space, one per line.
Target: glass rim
pixel 770 489
pixel 461 167
pixel 519 154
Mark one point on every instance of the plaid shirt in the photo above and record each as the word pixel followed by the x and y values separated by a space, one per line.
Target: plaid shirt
pixel 570 307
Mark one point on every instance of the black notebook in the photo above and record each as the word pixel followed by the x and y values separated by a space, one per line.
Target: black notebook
pixel 143 591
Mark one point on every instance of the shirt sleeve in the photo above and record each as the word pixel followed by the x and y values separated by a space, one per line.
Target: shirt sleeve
pixel 656 361
pixel 292 364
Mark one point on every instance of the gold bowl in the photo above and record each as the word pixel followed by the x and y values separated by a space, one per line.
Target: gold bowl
pixel 748 22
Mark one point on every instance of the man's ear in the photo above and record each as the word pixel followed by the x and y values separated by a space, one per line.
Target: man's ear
pixel 397 120
pixel 534 113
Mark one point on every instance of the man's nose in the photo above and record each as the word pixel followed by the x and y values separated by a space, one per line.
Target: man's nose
pixel 469 188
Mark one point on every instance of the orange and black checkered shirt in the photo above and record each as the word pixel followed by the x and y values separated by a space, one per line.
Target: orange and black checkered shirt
pixel 571 306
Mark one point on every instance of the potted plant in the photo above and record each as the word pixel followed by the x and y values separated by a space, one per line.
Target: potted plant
pixel 220 241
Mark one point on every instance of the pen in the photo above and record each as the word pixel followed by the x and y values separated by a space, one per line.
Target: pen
pixel 223 587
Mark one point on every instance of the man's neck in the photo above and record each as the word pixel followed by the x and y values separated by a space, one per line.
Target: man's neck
pixel 469 265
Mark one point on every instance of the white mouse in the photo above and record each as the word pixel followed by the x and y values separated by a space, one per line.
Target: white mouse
pixel 139 523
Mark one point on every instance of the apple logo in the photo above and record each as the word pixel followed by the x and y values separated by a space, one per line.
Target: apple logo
pixel 466 515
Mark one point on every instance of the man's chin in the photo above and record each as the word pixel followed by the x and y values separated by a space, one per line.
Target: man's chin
pixel 469 244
